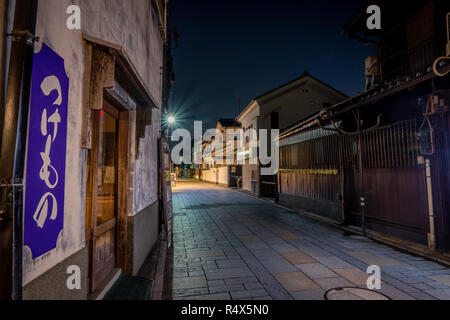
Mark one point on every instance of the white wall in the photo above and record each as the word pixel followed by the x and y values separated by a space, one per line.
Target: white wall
pixel 247 176
pixel 297 101
pixel 216 175
pixel 210 175
pixel 146 168
pixel 223 175
pixel 129 24
pixel 249 118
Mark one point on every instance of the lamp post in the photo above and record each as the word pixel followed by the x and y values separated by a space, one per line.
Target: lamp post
pixel 171 120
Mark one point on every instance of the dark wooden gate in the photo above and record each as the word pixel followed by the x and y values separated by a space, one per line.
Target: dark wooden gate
pixel 394 183
pixel 323 167
pixel 268 185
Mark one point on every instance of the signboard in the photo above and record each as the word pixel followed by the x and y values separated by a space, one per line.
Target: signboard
pixel 46 153
pixel 166 189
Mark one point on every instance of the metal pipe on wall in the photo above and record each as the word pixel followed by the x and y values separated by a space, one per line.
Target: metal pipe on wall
pixel 9 26
pixel 361 174
pixel 15 123
pixel 5 216
pixel 432 234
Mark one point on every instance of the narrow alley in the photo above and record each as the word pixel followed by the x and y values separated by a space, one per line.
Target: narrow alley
pixel 228 245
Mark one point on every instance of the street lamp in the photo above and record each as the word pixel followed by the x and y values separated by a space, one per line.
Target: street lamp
pixel 171 120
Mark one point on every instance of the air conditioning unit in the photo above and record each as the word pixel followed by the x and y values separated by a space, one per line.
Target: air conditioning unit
pixel 448 34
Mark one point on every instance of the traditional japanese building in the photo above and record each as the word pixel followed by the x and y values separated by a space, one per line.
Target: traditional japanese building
pixel 228 172
pixel 79 177
pixel 277 109
pixel 380 160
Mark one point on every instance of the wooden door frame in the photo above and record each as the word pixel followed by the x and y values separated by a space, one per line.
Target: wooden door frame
pixel 122 116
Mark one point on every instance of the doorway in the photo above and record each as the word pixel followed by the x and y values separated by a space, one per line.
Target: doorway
pixel 102 198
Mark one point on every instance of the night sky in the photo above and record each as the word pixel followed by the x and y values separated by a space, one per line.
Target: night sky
pixel 246 48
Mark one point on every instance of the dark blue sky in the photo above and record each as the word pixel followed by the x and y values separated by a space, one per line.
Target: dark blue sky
pixel 248 47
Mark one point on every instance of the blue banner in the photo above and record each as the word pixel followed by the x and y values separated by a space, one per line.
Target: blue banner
pixel 46 153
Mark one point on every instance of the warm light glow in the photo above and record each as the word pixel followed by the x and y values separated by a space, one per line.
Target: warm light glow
pixel 171 119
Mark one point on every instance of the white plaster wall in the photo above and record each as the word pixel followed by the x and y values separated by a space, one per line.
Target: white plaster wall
pixel 299 100
pixel 146 166
pixel 250 116
pixel 247 176
pixel 223 175
pixel 129 24
pixel 249 119
pixel 210 175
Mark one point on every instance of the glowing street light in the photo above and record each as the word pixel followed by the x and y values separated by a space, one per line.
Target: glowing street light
pixel 171 119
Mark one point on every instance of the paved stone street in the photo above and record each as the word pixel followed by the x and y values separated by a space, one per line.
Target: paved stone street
pixel 232 246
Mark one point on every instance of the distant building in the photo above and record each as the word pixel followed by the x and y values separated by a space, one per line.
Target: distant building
pixel 225 174
pixel 278 109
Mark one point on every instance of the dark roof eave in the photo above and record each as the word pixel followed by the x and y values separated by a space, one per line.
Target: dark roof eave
pixel 304 75
pixel 350 104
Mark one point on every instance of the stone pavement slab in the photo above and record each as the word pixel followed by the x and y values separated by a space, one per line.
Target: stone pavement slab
pixel 333 262
pixel 288 236
pixel 227 288
pixel 278 265
pixel 233 263
pixel 331 283
pixel 441 294
pixel 444 279
pixel 189 283
pixel 256 245
pixel 216 296
pixel 316 271
pixel 371 259
pixel 298 258
pixel 277 292
pixel 248 294
pixel 190 292
pixel 316 294
pixel 296 281
pixel 228 273
pixel 355 276
pixel 266 254
pixel 249 238
pixel 284 248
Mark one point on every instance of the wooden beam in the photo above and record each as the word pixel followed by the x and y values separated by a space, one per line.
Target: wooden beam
pixel 122 190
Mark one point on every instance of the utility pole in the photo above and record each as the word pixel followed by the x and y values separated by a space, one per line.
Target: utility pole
pixel 361 175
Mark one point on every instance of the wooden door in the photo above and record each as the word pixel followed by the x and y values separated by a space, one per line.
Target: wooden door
pixel 101 208
pixel 268 186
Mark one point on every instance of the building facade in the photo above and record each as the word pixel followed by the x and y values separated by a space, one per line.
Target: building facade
pixel 110 219
pixel 279 109
pixel 228 171
pixel 380 161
